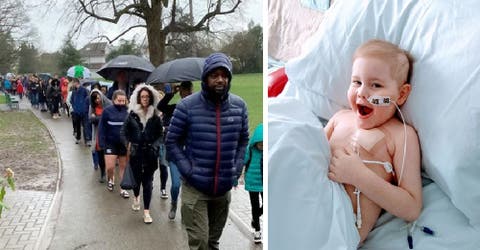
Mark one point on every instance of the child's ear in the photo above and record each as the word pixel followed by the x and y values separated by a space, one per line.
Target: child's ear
pixel 404 92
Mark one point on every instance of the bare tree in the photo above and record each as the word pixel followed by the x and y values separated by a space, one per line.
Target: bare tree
pixel 159 17
pixel 11 16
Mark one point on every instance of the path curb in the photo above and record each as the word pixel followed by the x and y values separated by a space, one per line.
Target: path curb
pixel 42 243
pixel 240 224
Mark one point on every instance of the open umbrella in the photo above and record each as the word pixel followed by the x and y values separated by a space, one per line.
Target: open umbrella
pixel 178 70
pixel 45 76
pixel 9 75
pixel 88 82
pixel 78 71
pixel 134 66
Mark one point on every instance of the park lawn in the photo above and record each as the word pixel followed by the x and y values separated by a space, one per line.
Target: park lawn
pixel 3 99
pixel 250 88
pixel 14 127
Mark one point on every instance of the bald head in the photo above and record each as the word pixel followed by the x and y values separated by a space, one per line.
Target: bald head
pixel 399 60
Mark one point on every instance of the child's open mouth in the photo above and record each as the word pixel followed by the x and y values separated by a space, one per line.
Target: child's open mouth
pixel 364 111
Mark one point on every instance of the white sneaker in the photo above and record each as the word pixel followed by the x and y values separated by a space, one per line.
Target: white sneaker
pixel 136 204
pixel 147 219
pixel 257 237
pixel 124 194
pixel 164 194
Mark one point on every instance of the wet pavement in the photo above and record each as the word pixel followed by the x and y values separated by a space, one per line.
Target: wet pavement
pixel 82 214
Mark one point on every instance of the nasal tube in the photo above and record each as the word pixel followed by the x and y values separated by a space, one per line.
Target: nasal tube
pixel 386 101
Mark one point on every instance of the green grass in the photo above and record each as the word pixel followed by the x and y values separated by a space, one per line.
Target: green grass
pixel 23 128
pixel 249 87
pixel 3 99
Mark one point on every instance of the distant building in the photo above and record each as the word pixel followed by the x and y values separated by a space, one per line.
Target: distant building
pixel 94 55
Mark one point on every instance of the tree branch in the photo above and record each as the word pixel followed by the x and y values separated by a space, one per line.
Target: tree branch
pixel 122 33
pixel 180 27
pixel 127 10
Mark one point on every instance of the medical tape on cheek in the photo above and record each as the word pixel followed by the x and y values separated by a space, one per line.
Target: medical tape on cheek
pixel 380 100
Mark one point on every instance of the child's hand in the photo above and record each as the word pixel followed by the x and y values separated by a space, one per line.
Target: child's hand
pixel 344 166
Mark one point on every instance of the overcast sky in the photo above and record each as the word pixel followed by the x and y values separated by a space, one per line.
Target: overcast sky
pixel 52 31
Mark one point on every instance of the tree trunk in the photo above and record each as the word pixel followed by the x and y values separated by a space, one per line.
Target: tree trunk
pixel 156 44
pixel 156 37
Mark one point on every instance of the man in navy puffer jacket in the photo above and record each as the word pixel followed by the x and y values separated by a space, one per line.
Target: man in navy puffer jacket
pixel 207 137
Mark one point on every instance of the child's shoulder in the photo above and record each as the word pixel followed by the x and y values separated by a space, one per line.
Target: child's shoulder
pixel 343 113
pixel 341 116
pixel 395 125
pixel 397 129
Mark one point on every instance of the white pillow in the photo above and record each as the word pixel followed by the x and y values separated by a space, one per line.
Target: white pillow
pixel 444 105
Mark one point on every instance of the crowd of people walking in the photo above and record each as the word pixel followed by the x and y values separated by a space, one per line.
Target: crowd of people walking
pixel 203 139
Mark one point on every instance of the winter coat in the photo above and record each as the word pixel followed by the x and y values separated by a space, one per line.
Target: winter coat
pixel 86 105
pixel 253 162
pixel 42 92
pixel 7 84
pixel 64 89
pixel 96 120
pixel 144 132
pixel 53 92
pixel 19 88
pixel 207 139
pixel 34 87
pixel 78 100
pixel 110 125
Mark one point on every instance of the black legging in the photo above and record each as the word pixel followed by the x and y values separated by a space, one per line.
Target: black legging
pixel 55 102
pixel 257 211
pixel 145 179
pixel 101 162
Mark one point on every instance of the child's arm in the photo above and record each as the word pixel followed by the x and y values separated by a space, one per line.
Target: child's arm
pixel 404 201
pixel 329 128
pixel 331 123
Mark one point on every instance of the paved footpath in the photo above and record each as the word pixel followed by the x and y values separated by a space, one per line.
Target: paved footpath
pixel 82 214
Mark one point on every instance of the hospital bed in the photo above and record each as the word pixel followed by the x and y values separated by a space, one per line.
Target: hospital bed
pixel 444 107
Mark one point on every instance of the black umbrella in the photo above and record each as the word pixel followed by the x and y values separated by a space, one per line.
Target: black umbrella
pixel 178 70
pixel 134 66
pixel 88 82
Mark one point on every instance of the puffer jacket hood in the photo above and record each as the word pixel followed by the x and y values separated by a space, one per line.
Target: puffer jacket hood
pixel 212 62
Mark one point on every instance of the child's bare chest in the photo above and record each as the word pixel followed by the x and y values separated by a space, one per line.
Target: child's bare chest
pixel 370 145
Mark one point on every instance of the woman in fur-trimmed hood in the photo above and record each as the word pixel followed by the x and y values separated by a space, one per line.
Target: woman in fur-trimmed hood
pixel 135 101
pixel 143 130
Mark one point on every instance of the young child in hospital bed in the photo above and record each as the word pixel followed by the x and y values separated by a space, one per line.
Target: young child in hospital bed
pixel 375 155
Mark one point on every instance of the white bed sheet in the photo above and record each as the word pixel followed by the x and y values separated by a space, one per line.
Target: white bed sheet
pixel 306 210
pixel 451 227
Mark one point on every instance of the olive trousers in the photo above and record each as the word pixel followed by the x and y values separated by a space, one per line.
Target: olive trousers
pixel 203 217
